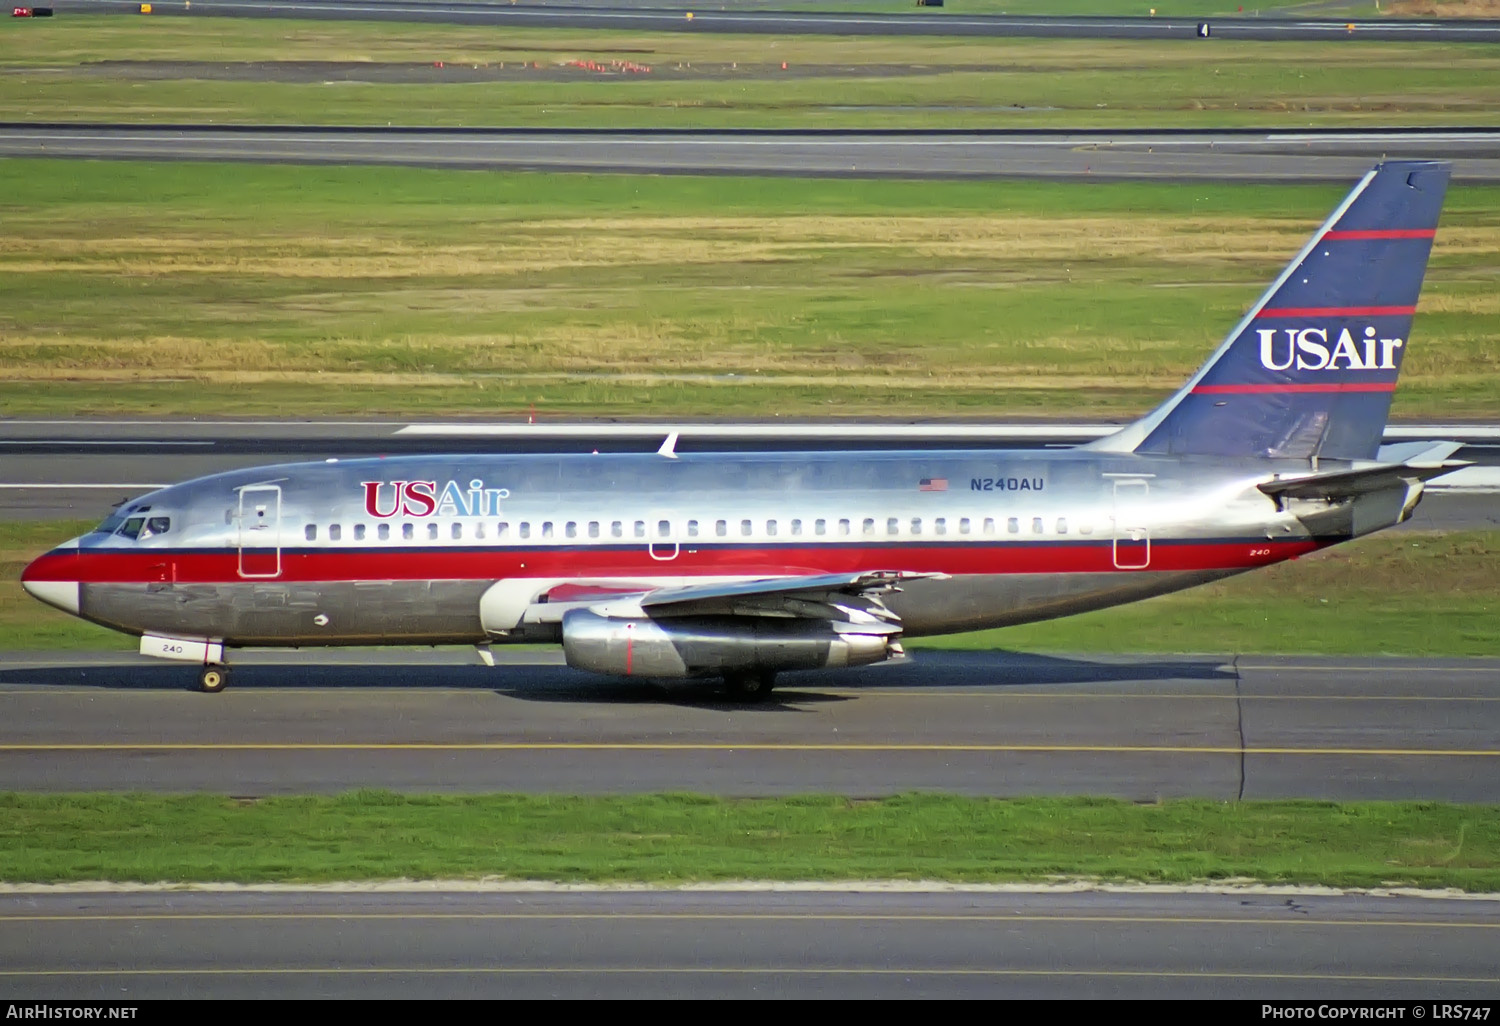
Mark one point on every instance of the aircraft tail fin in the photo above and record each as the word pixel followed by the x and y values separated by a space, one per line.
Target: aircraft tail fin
pixel 1309 371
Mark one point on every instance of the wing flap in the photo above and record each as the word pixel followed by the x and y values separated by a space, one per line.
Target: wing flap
pixel 850 601
pixel 813 586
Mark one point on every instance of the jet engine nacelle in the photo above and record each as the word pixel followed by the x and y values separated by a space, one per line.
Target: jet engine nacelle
pixel 703 646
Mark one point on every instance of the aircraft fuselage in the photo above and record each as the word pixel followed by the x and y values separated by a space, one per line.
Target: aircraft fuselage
pixel 463 549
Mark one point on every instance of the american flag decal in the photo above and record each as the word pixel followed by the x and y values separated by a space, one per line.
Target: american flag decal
pixel 932 484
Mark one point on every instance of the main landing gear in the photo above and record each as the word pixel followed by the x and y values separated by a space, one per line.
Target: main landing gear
pixel 750 685
pixel 213 679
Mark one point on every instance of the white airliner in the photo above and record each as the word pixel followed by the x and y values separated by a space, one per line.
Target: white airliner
pixel 742 566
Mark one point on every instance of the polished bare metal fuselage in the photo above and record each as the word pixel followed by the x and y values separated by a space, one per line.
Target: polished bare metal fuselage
pixel 347 553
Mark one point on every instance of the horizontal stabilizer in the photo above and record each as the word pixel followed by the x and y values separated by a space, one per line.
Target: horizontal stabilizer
pixel 1429 460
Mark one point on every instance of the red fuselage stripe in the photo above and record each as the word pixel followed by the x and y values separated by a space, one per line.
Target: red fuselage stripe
pixel 1337 311
pixel 327 565
pixel 1341 386
pixel 1379 233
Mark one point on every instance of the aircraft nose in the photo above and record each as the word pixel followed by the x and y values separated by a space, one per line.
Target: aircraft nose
pixel 53 578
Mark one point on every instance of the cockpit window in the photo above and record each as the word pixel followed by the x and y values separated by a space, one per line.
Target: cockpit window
pixel 132 528
pixel 127 516
pixel 157 525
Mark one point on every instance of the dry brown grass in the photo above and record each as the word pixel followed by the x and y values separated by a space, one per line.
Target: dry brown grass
pixel 543 245
pixel 711 352
pixel 717 303
pixel 1487 305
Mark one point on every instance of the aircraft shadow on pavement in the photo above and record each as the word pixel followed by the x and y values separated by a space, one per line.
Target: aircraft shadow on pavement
pixel 547 683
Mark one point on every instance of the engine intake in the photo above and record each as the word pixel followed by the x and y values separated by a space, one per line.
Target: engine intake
pixel 704 646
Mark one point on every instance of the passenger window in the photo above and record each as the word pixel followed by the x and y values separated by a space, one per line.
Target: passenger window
pixel 640 529
pixel 721 528
pixel 963 525
pixel 571 530
pixel 845 529
pixel 1062 525
pixel 1013 525
pixel 479 529
pixel 664 529
pixel 746 528
pixel 335 532
pixel 770 528
pixel 524 529
pixel 359 532
pixel 617 530
pixel 1036 525
pixel 1085 528
pixel 432 532
pixel 692 528
pixel 796 527
pixel 989 525
pixel 593 528
pixel 408 531
pixel 310 532
pixel 869 525
pixel 502 529
pixel 892 525
pixel 546 529
pixel 916 525
pixel 456 531
pixel 383 532
pixel 820 527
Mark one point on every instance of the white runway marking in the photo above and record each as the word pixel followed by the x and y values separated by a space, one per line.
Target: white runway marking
pixel 74 487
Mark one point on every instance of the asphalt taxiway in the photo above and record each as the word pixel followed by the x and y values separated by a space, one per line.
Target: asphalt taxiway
pixel 1160 155
pixel 977 723
pixel 743 944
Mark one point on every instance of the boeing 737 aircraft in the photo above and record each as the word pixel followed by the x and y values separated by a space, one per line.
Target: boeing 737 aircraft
pixel 742 566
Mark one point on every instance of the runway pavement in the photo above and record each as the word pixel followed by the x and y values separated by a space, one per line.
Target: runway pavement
pixel 980 723
pixel 752 18
pixel 728 944
pixel 1164 155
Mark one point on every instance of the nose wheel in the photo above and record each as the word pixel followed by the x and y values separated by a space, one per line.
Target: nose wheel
pixel 213 679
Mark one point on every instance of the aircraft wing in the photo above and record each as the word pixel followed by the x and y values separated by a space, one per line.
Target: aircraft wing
pixel 849 598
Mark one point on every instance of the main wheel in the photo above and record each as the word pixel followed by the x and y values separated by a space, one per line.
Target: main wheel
pixel 213 679
pixel 750 686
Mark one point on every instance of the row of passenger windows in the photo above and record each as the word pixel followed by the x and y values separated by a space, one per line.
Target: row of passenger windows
pixel 662 529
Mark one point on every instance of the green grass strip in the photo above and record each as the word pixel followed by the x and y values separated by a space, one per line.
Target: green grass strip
pixel 666 838
pixel 185 70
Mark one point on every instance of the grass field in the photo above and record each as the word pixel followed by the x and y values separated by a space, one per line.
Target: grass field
pixel 1407 593
pixel 185 70
pixel 241 290
pixel 682 838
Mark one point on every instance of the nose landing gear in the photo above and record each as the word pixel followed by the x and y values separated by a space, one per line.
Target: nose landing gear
pixel 213 679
